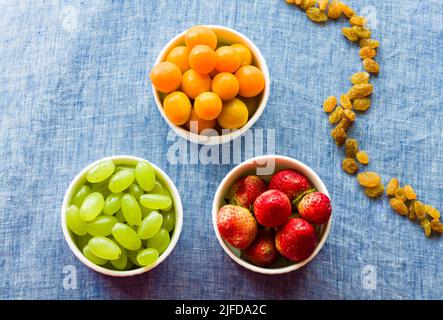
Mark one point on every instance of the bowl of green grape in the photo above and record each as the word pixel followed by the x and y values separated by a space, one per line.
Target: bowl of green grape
pixel 122 216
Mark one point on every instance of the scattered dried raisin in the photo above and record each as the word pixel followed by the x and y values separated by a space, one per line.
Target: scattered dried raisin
pixel 360 78
pixel 306 4
pixel 349 165
pixel 345 102
pixel 351 148
pixel 362 104
pixel 371 43
pixel 419 209
pixel 322 4
pixel 437 226
pixel 349 114
pixel 316 15
pixel 431 211
pixel 367 52
pixel 357 20
pixel 361 32
pixel 426 225
pixel 409 192
pixel 347 10
pixel 336 115
pixel 411 209
pixel 360 91
pixel 371 65
pixel 362 157
pixel 349 34
pixel 392 187
pixel 334 10
pixel 368 179
pixel 399 206
pixel 376 191
pixel 329 104
pixel 400 194
pixel 339 135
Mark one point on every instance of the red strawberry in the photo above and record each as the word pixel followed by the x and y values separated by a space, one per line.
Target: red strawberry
pixel 315 208
pixel 272 208
pixel 296 240
pixel 245 190
pixel 290 182
pixel 237 226
pixel 262 251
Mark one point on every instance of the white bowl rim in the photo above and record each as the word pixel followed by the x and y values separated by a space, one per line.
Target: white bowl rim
pixel 116 273
pixel 216 140
pixel 215 207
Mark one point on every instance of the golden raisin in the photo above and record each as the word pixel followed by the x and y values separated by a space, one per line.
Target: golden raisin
pixel 344 123
pixel 351 148
pixel 357 20
pixel 349 114
pixel 306 4
pixel 345 102
pixel 400 194
pixel 392 187
pixel 322 4
pixel 336 115
pixel 437 226
pixel 411 209
pixel 349 34
pixel 368 179
pixel 433 212
pixel 361 32
pixel 426 225
pixel 367 52
pixel 371 65
pixel 371 43
pixel 360 90
pixel 298 2
pixel 360 78
pixel 419 209
pixel 410 192
pixel 339 135
pixel 398 206
pixel 362 104
pixel 329 104
pixel 347 10
pixel 334 10
pixel 376 191
pixel 362 157
pixel 316 15
pixel 349 165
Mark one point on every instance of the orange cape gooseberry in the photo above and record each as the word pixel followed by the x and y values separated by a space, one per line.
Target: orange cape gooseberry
pixel 226 85
pixel 208 105
pixel 166 77
pixel 245 53
pixel 228 59
pixel 200 35
pixel 177 107
pixel 194 83
pixel 234 114
pixel 251 81
pixel 202 59
pixel 197 125
pixel 179 56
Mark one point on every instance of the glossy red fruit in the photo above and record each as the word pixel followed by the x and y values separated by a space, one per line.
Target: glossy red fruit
pixel 290 182
pixel 272 208
pixel 262 251
pixel 315 208
pixel 237 226
pixel 296 239
pixel 245 190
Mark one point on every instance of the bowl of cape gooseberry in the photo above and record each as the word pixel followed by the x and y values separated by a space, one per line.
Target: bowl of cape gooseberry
pixel 122 216
pixel 210 84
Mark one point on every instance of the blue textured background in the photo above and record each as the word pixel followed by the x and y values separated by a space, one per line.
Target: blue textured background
pixel 74 88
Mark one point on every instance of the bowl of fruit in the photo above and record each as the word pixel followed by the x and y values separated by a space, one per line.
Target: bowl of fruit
pixel 210 84
pixel 122 216
pixel 272 221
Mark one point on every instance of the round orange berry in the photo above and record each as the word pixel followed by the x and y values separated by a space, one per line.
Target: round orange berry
pixel 226 85
pixel 177 107
pixel 245 53
pixel 234 114
pixel 194 83
pixel 179 56
pixel 228 59
pixel 197 125
pixel 166 77
pixel 202 59
pixel 200 35
pixel 251 81
pixel 208 105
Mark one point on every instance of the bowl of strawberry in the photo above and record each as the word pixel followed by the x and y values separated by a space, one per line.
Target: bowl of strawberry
pixel 272 214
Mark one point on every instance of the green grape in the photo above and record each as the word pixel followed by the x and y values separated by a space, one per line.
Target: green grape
pixel 101 188
pixel 155 201
pixel 136 191
pixel 104 248
pixel 101 171
pixel 132 256
pixel 120 263
pixel 145 211
pixel 168 220
pixel 102 225
pixel 92 257
pixel 150 225
pixel 122 167
pixel 80 195
pixel 121 180
pixel 74 221
pixel 147 257
pixel 129 265
pixel 160 241
pixel 112 203
pixel 126 236
pixel 159 188
pixel 120 217
pixel 131 209
pixel 82 241
pixel 145 175
pixel 92 206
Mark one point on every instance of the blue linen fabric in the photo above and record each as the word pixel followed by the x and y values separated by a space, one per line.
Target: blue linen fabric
pixel 74 88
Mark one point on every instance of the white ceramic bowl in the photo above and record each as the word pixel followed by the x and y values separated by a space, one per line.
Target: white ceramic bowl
pixel 227 35
pixel 249 167
pixel 81 179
